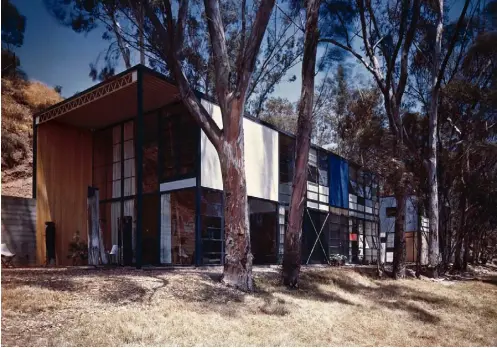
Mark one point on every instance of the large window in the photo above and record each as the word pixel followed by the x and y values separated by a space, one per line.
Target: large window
pixel 339 236
pixel 180 138
pixel 114 161
pixel 282 227
pixel 287 166
pixel 103 162
pixel 317 180
pixel 211 215
pixel 312 168
pixel 129 159
pixel 263 231
pixel 177 240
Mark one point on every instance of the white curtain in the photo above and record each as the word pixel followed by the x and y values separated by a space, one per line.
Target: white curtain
pixel 129 210
pixel 165 229
pixel 115 213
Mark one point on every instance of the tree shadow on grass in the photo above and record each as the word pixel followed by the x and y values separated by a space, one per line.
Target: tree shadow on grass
pixel 309 288
pixel 490 280
pixel 392 296
pixel 111 285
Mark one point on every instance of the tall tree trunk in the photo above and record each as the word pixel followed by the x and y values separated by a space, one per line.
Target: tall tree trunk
pixel 465 258
pixel 380 269
pixel 458 264
pixel 94 236
pixel 419 242
pixel 433 214
pixel 399 255
pixel 292 250
pixel 238 256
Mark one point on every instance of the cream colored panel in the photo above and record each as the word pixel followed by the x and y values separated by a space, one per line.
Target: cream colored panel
pixel 210 167
pixel 261 158
pixel 165 229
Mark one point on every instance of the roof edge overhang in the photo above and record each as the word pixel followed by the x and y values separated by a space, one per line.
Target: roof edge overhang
pixel 117 82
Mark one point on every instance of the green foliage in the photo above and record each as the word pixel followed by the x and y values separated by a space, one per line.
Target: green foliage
pixel 78 249
pixel 338 259
pixel 13 25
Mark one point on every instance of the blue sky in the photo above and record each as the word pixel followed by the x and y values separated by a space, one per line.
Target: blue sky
pixel 56 55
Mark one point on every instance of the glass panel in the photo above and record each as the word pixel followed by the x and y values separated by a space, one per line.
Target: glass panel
pixel 287 154
pixel 323 169
pixel 211 210
pixel 129 150
pixel 116 134
pixel 116 154
pixel 129 168
pixel 179 139
pixel 182 214
pixel 128 130
pixel 263 232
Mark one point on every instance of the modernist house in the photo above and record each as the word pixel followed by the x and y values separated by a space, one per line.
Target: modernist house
pixel 160 186
pixel 415 224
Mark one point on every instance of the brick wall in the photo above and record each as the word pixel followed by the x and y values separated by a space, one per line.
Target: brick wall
pixel 19 228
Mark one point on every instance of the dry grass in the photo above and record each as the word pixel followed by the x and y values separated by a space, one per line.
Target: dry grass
pixel 20 100
pixel 79 307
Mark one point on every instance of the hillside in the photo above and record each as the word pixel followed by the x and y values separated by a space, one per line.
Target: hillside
pixel 20 100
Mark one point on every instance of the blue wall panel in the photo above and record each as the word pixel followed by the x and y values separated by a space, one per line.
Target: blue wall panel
pixel 339 182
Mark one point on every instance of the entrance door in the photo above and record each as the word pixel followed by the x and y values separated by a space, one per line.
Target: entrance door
pixel 127 237
pixel 150 229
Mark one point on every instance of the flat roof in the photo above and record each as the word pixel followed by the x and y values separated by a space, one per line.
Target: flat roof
pixel 115 100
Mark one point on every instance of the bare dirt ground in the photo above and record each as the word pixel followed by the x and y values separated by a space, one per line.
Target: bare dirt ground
pixel 334 306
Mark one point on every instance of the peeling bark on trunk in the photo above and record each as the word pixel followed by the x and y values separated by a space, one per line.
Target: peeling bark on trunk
pixel 399 256
pixel 292 250
pixel 95 240
pixel 238 256
pixel 380 267
pixel 433 214
pixel 419 242
pixel 458 264
pixel 465 258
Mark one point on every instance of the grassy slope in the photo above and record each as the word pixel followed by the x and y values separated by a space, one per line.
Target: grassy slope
pixel 20 100
pixel 189 307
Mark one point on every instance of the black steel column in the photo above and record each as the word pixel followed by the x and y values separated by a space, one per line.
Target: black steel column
pixel 198 197
pixel 139 167
pixel 159 174
pixel 35 153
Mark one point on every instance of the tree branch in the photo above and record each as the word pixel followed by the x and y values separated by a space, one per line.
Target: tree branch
pixel 221 58
pixel 460 22
pixel 253 45
pixel 405 52
pixel 192 103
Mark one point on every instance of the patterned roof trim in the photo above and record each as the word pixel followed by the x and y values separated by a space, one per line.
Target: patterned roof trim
pixel 89 97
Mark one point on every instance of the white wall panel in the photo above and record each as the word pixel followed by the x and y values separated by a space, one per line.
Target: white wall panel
pixel 261 158
pixel 387 224
pixel 178 184
pixel 211 169
pixel 165 229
